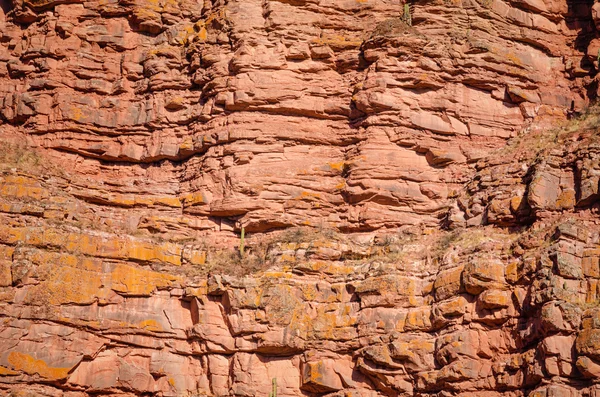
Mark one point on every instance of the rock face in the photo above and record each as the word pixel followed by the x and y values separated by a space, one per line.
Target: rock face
pixel 284 113
pixel 141 140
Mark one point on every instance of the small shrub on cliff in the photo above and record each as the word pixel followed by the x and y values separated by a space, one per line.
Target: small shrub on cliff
pixel 390 27
pixel 534 144
pixel 233 262
pixel 27 159
pixel 306 235
pixel 19 155
pixel 472 240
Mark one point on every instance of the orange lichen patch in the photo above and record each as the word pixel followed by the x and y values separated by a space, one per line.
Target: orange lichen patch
pixel 152 9
pixel 150 325
pixel 146 13
pixel 30 365
pixel 165 252
pixel 9 234
pixel 66 285
pixel 5 273
pixel 93 245
pixel 94 324
pixel 203 34
pixel 323 243
pixel 251 297
pixel 566 199
pixel 6 253
pixel 219 15
pixel 168 201
pixel 7 372
pixel 515 203
pixel 193 199
pixel 329 267
pixel 314 372
pixel 134 281
pixel 76 114
pixel 339 42
pixel 511 271
pixel 416 345
pixel 197 257
pixel 277 275
pixel 7 294
pixel 337 166
pixel 495 299
pixel 340 185
pixel 418 319
pixel 309 196
pixel 280 303
pixel 198 292
pixel 21 187
pixel 291 246
pixel 158 51
pixel 68 279
pixel 186 31
pixel 21 191
pixel 186 144
pixel 42 258
pixel 20 208
pixel 128 200
pixel 311 292
pixel 514 58
pixel 122 200
pixel 287 258
pixel 452 307
pixel 55 237
pixel 395 284
pixel 591 293
pixel 330 322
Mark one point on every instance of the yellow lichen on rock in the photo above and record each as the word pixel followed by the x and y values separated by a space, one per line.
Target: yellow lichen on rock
pixel 31 366
pixel 66 285
pixel 135 281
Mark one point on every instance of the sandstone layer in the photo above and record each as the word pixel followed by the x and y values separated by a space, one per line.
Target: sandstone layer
pixel 418 217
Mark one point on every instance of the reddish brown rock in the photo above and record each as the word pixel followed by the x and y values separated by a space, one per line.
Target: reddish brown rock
pixel 139 140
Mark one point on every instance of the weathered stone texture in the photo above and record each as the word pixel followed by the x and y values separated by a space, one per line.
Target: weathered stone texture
pixel 285 113
pixel 139 138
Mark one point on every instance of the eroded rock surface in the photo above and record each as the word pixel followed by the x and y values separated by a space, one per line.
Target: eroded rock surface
pixel 278 114
pixel 139 138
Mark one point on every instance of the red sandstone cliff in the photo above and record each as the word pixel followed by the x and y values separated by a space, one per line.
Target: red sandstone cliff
pixel 420 219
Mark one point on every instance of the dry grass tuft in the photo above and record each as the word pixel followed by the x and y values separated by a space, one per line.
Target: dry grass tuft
pixel 535 144
pixel 19 155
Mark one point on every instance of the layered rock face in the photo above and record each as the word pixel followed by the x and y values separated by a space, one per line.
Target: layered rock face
pixel 140 140
pixel 274 114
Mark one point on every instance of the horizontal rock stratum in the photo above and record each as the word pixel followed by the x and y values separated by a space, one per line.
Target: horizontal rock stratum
pixel 316 197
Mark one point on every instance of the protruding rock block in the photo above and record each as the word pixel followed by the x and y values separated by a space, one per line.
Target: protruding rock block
pixel 482 273
pixel 321 377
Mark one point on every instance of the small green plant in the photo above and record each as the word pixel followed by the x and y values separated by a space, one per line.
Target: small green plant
pixel 406 17
pixel 274 388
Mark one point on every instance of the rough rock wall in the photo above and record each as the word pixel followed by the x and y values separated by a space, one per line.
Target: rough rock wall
pixel 281 113
pixel 137 136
